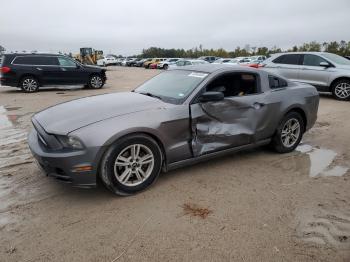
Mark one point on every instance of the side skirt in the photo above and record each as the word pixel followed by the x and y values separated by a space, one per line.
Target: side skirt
pixel 209 156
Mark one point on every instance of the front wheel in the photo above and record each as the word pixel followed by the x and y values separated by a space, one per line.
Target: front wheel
pixel 96 82
pixel 131 165
pixel 289 133
pixel 165 67
pixel 341 90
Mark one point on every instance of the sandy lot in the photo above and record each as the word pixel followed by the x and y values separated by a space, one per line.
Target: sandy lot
pixel 251 206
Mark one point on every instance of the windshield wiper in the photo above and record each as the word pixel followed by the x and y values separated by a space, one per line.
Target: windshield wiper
pixel 151 95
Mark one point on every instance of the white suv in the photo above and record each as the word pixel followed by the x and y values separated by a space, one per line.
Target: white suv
pixel 326 71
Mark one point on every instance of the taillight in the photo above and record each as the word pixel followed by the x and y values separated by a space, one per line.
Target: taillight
pixel 5 69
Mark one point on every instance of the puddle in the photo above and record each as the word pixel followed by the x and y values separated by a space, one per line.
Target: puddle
pixel 322 161
pixel 13 152
pixel 4 120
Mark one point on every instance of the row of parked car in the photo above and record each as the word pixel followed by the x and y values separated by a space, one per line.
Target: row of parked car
pixel 326 71
pixel 165 63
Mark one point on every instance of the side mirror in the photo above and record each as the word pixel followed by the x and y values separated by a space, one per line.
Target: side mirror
pixel 211 96
pixel 325 64
pixel 77 66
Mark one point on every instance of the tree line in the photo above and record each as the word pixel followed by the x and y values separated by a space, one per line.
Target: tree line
pixel 341 48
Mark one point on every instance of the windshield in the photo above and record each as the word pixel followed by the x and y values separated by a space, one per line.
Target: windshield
pixel 172 86
pixel 337 59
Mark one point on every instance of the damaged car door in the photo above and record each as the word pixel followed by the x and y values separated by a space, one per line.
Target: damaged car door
pixel 235 120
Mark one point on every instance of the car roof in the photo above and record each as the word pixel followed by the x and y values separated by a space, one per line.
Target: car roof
pixel 211 68
pixel 299 53
pixel 33 54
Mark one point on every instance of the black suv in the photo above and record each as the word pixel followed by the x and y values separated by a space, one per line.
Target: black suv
pixel 30 71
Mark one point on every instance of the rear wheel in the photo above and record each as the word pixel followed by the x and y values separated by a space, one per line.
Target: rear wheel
pixel 96 82
pixel 289 133
pixel 165 67
pixel 131 165
pixel 341 89
pixel 29 84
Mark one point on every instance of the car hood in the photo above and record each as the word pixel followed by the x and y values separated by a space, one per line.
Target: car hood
pixel 346 67
pixel 64 118
pixel 92 67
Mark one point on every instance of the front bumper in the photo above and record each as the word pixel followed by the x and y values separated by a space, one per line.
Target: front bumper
pixel 63 165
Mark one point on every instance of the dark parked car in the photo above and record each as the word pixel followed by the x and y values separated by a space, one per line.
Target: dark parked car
pixel 179 117
pixel 140 63
pixel 209 59
pixel 133 62
pixel 31 71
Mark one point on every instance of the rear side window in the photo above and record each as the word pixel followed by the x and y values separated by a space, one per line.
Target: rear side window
pixel 313 60
pixel 35 60
pixel 63 61
pixel 292 59
pixel 276 82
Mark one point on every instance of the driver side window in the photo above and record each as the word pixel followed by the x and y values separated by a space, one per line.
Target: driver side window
pixel 235 84
pixel 313 60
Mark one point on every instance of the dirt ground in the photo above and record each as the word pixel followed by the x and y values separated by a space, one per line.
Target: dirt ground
pixel 250 206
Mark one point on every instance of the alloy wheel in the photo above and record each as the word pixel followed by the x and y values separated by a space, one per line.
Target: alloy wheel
pixel 134 165
pixel 30 85
pixel 96 82
pixel 342 90
pixel 290 132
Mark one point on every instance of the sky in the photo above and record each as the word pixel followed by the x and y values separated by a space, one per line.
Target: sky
pixel 127 26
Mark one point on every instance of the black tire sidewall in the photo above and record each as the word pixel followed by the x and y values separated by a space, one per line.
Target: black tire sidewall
pixel 333 89
pixel 165 67
pixel 115 185
pixel 277 141
pixel 32 78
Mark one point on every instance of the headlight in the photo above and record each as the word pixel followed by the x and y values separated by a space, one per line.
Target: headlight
pixel 70 142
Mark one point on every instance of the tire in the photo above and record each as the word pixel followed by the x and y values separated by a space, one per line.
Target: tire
pixel 341 89
pixel 29 84
pixel 96 82
pixel 165 67
pixel 286 139
pixel 131 176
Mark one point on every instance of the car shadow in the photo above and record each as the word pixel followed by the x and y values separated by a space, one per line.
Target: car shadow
pixel 216 163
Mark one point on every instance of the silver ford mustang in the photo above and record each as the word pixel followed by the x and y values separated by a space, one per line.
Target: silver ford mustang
pixel 177 118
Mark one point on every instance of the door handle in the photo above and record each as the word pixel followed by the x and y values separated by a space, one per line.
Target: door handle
pixel 258 105
pixel 38 68
pixel 63 69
